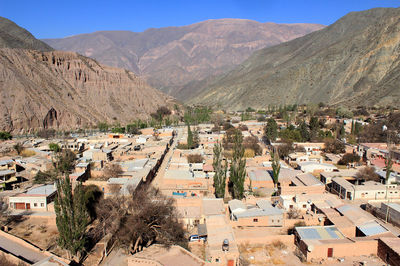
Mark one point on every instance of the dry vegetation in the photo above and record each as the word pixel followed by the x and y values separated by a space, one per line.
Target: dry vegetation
pixel 258 254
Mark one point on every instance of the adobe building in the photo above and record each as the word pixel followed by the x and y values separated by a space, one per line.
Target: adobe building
pixel 389 250
pixel 263 214
pixel 322 242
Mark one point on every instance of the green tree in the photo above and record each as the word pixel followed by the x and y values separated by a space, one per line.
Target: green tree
pixel 305 134
pixel 238 167
pixel 71 216
pixel 5 135
pixel 64 161
pixel 220 170
pixel 271 130
pixel 314 126
pixel 54 147
pixel 189 137
pixel 342 132
pixel 102 126
pixel 276 168
pixel 389 165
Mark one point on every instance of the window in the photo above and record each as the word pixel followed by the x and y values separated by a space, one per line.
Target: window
pixel 255 220
pixel 291 206
pixel 304 206
pixel 277 221
pixel 41 204
pixel 34 204
pixel 272 221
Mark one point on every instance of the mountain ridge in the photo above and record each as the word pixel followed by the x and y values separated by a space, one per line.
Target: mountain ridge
pixel 170 58
pixel 352 60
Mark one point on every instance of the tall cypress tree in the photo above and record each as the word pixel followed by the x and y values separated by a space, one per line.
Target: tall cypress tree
pixel 238 167
pixel 189 137
pixel 72 217
pixel 220 172
pixel 276 168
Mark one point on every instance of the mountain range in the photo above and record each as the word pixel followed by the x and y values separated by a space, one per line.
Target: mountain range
pixel 355 61
pixel 173 59
pixel 43 88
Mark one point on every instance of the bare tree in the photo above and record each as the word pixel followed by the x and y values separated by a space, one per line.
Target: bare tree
pixel 112 170
pixel 144 218
pixel 367 173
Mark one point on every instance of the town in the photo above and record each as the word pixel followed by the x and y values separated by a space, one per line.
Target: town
pixel 195 186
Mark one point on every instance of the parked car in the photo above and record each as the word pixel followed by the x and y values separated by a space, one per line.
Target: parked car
pixel 193 238
pixel 225 245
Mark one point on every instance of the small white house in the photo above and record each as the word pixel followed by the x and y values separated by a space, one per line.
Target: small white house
pixel 35 199
pixel 310 167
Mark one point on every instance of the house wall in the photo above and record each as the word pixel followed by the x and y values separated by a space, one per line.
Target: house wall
pixel 39 201
pixel 387 254
pixel 293 190
pixel 358 248
pixel 275 220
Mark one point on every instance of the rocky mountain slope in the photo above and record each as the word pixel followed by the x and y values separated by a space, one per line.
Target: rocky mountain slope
pixel 12 36
pixel 174 57
pixel 65 90
pixel 355 61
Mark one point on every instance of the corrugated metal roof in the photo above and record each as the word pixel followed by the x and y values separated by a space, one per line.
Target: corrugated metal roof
pixel 372 228
pixel 394 206
pixel 319 232
pixel 4 162
pixel 256 212
pixel 236 205
pixel 260 175
pixel 6 172
pixel 42 190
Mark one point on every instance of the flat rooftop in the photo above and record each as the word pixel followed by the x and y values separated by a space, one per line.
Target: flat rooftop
pixel 319 233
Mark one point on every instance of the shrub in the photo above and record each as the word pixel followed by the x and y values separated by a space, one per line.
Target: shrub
pixel 5 135
pixel 349 158
pixel 195 158
pixel 28 153
pixel 278 244
pixel 334 146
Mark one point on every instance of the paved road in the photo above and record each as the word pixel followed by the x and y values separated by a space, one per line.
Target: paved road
pixel 21 251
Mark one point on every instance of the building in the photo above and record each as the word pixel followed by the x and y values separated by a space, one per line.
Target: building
pixel 35 199
pixel 304 183
pixel 392 210
pixel 315 167
pixel 369 190
pixel 263 214
pixel 322 242
pixel 389 250
pixel 349 175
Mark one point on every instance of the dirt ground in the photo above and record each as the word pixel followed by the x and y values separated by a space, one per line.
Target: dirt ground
pixel 198 249
pixel 280 254
pixel 37 231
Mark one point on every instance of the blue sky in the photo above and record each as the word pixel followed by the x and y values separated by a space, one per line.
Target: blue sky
pixel 60 18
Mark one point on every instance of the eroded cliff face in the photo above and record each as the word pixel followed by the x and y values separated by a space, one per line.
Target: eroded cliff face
pixel 65 90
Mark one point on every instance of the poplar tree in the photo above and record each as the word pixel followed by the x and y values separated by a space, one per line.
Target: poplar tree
pixel 276 168
pixel 189 137
pixel 72 217
pixel 271 130
pixel 238 167
pixel 220 171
